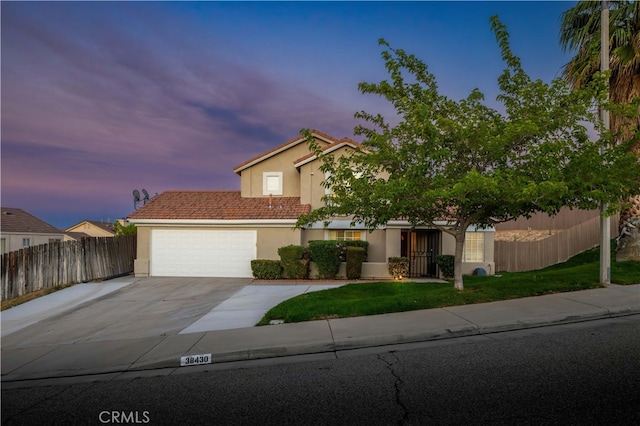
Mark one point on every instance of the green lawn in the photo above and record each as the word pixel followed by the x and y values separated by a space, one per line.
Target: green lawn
pixel 579 273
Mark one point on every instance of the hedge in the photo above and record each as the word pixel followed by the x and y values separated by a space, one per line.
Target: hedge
pixel 355 257
pixel 265 269
pixel 326 255
pixel 294 262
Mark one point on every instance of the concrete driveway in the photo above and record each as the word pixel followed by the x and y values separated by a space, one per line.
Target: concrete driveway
pixel 144 308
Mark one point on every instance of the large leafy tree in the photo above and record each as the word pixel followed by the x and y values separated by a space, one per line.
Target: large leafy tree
pixel 581 33
pixel 451 164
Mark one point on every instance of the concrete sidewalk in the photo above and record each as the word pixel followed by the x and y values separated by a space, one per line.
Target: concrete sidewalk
pixel 135 355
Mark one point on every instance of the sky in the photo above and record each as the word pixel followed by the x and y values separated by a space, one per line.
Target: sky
pixel 101 98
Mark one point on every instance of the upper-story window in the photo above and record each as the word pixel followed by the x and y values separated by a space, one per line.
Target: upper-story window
pixel 26 242
pixel 272 183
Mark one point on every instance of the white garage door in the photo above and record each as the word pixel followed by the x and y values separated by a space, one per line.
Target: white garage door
pixel 202 253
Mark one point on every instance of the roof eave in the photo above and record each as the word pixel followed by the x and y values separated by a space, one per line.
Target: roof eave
pixel 215 222
pixel 284 147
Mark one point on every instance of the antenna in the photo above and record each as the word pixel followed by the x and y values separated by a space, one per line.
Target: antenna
pixel 146 196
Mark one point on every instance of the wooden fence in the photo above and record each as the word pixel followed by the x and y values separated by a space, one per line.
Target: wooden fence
pixel 66 262
pixel 517 256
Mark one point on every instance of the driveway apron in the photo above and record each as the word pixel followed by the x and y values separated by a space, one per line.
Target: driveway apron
pixel 149 307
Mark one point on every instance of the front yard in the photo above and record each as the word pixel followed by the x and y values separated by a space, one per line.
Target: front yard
pixel 579 273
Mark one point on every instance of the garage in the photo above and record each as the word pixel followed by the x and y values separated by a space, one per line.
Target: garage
pixel 202 253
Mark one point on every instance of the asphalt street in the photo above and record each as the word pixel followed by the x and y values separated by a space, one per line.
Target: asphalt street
pixel 572 374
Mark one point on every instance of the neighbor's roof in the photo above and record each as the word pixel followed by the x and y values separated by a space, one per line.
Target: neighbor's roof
pixel 283 147
pixel 218 205
pixel 106 226
pixel 17 220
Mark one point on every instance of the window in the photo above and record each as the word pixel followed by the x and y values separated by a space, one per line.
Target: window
pixel 272 183
pixel 473 247
pixel 26 242
pixel 346 235
pixel 3 245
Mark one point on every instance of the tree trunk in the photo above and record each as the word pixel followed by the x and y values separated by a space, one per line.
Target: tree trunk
pixel 457 265
pixel 628 247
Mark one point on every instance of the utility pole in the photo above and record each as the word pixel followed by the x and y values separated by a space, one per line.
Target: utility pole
pixel 605 226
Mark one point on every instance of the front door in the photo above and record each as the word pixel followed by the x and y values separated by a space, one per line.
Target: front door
pixel 422 248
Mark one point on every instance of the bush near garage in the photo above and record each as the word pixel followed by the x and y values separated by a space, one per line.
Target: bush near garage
pixel 266 269
pixel 295 262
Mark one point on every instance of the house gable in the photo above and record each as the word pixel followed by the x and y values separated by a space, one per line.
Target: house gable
pixel 273 172
pixel 93 228
pixel 311 178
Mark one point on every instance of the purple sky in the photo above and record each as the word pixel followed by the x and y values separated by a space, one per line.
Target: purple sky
pixel 99 99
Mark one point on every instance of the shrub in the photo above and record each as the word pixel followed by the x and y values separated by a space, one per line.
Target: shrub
pixel 398 267
pixel 265 269
pixel 362 244
pixel 294 262
pixel 446 264
pixel 326 255
pixel 355 257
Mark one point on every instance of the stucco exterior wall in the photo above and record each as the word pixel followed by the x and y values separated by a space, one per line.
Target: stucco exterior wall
pixel 311 235
pixel 377 251
pixel 271 239
pixel 251 178
pixel 449 247
pixel 141 262
pixel 13 241
pixel 311 178
pixel 311 189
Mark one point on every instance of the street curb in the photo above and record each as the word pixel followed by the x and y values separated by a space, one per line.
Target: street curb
pixel 319 347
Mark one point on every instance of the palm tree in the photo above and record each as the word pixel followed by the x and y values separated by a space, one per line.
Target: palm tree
pixel 580 32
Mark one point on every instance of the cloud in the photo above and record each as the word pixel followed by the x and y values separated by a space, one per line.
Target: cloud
pixel 96 109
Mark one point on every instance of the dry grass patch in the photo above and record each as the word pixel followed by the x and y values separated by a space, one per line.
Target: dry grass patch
pixel 6 304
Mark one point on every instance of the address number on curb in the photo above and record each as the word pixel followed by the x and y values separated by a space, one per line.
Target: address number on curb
pixel 195 360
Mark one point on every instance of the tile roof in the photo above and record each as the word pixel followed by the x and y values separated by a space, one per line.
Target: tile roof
pixel 17 220
pixel 281 147
pixel 218 205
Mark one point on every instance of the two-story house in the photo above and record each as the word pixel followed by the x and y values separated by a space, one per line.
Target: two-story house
pixel 218 233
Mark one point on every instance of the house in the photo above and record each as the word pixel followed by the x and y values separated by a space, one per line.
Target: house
pixel 93 228
pixel 19 229
pixel 218 233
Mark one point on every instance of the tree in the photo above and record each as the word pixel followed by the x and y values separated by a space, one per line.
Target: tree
pixel 452 164
pixel 580 32
pixel 120 229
